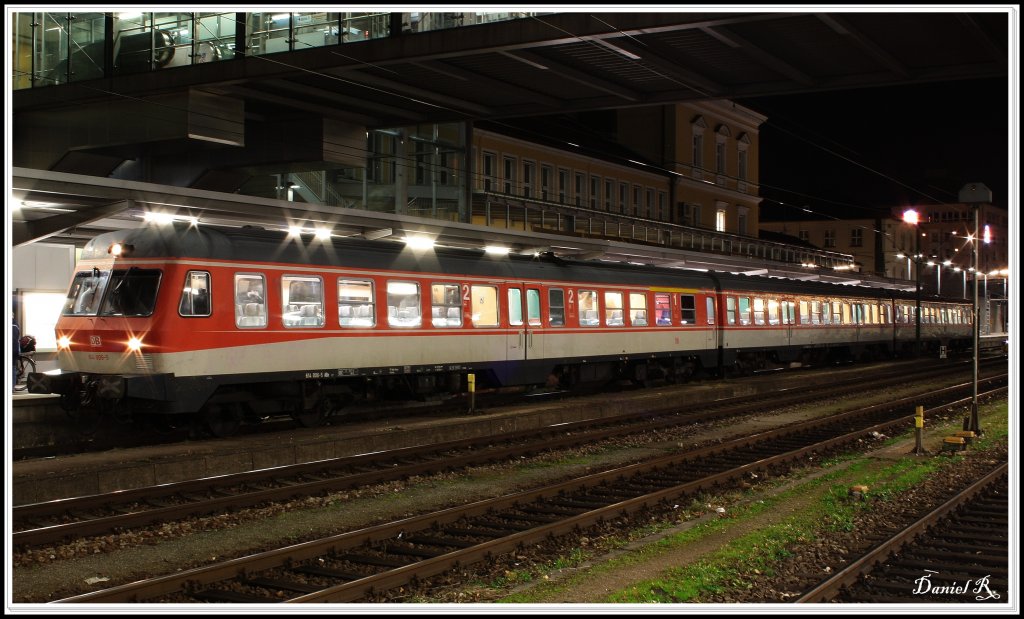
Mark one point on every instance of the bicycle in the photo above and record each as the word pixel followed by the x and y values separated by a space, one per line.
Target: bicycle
pixel 26 362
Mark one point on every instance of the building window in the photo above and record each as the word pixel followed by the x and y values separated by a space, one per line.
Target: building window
pixel 743 143
pixel 545 182
pixel 624 198
pixel 609 194
pixel 804 235
pixel 650 204
pixel 857 237
pixel 638 201
pixel 720 157
pixel 581 189
pixel 510 175
pixel 830 238
pixel 595 191
pixel 528 176
pixel 741 220
pixel 720 220
pixel 563 185
pixel 490 170
pixel 661 206
pixel 698 125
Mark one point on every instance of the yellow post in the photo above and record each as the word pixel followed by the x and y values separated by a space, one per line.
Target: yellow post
pixel 471 382
pixel 918 429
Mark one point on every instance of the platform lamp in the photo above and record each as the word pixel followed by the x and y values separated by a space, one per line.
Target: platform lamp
pixel 975 194
pixel 911 216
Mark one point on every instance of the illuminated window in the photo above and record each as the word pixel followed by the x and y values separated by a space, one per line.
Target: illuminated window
pixel 40 311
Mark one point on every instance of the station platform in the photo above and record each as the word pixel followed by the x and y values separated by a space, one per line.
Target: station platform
pixel 46 479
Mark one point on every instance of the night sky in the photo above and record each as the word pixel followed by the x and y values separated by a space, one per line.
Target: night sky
pixel 851 154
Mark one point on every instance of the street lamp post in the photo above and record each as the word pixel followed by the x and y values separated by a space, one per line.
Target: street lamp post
pixel 974 194
pixel 911 217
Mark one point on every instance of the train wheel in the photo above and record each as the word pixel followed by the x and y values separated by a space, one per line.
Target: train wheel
pixel 222 420
pixel 313 417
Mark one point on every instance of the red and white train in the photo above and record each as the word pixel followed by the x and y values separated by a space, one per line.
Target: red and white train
pixel 230 325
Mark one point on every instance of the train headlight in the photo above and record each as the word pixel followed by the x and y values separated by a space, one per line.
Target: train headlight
pixel 120 249
pixel 134 344
pixel 63 343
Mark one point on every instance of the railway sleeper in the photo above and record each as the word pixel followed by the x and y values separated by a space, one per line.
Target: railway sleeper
pixel 494 533
pixel 533 519
pixel 389 562
pixel 995 521
pixel 284 585
pixel 412 551
pixel 587 505
pixel 957 577
pixel 449 542
pixel 914 562
pixel 964 560
pixel 550 509
pixel 327 572
pixel 221 595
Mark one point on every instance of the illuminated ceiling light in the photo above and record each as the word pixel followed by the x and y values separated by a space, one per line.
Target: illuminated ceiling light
pixel 494 250
pixel 910 216
pixel 419 243
pixel 158 218
pixel 294 231
pixel 166 218
pixel 323 234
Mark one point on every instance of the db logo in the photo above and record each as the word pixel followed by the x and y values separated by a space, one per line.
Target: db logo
pixel 94 340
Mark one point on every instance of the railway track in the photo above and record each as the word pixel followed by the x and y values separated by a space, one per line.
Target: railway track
pixel 958 552
pixel 54 521
pixel 108 434
pixel 365 564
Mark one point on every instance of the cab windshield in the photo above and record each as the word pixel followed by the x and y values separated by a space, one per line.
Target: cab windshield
pixel 121 292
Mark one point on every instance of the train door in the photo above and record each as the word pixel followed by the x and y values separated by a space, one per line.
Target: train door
pixel 710 322
pixel 524 338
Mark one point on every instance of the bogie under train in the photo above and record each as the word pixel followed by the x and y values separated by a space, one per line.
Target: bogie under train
pixel 182 322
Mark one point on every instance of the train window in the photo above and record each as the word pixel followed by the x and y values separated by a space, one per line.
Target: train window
pixel 404 304
pixel 355 303
pixel 638 309
pixel 131 292
pixel 250 300
pixel 484 306
pixel 847 319
pixel 710 302
pixel 815 312
pixel 556 307
pixel 445 305
pixel 758 311
pixel 837 314
pixel 826 313
pixel 515 307
pixel 195 295
pixel 805 314
pixel 744 310
pixel 663 308
pixel 688 309
pixel 588 308
pixel 85 293
pixel 773 312
pixel 730 310
pixel 790 312
pixel 302 301
pixel 533 307
pixel 613 309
